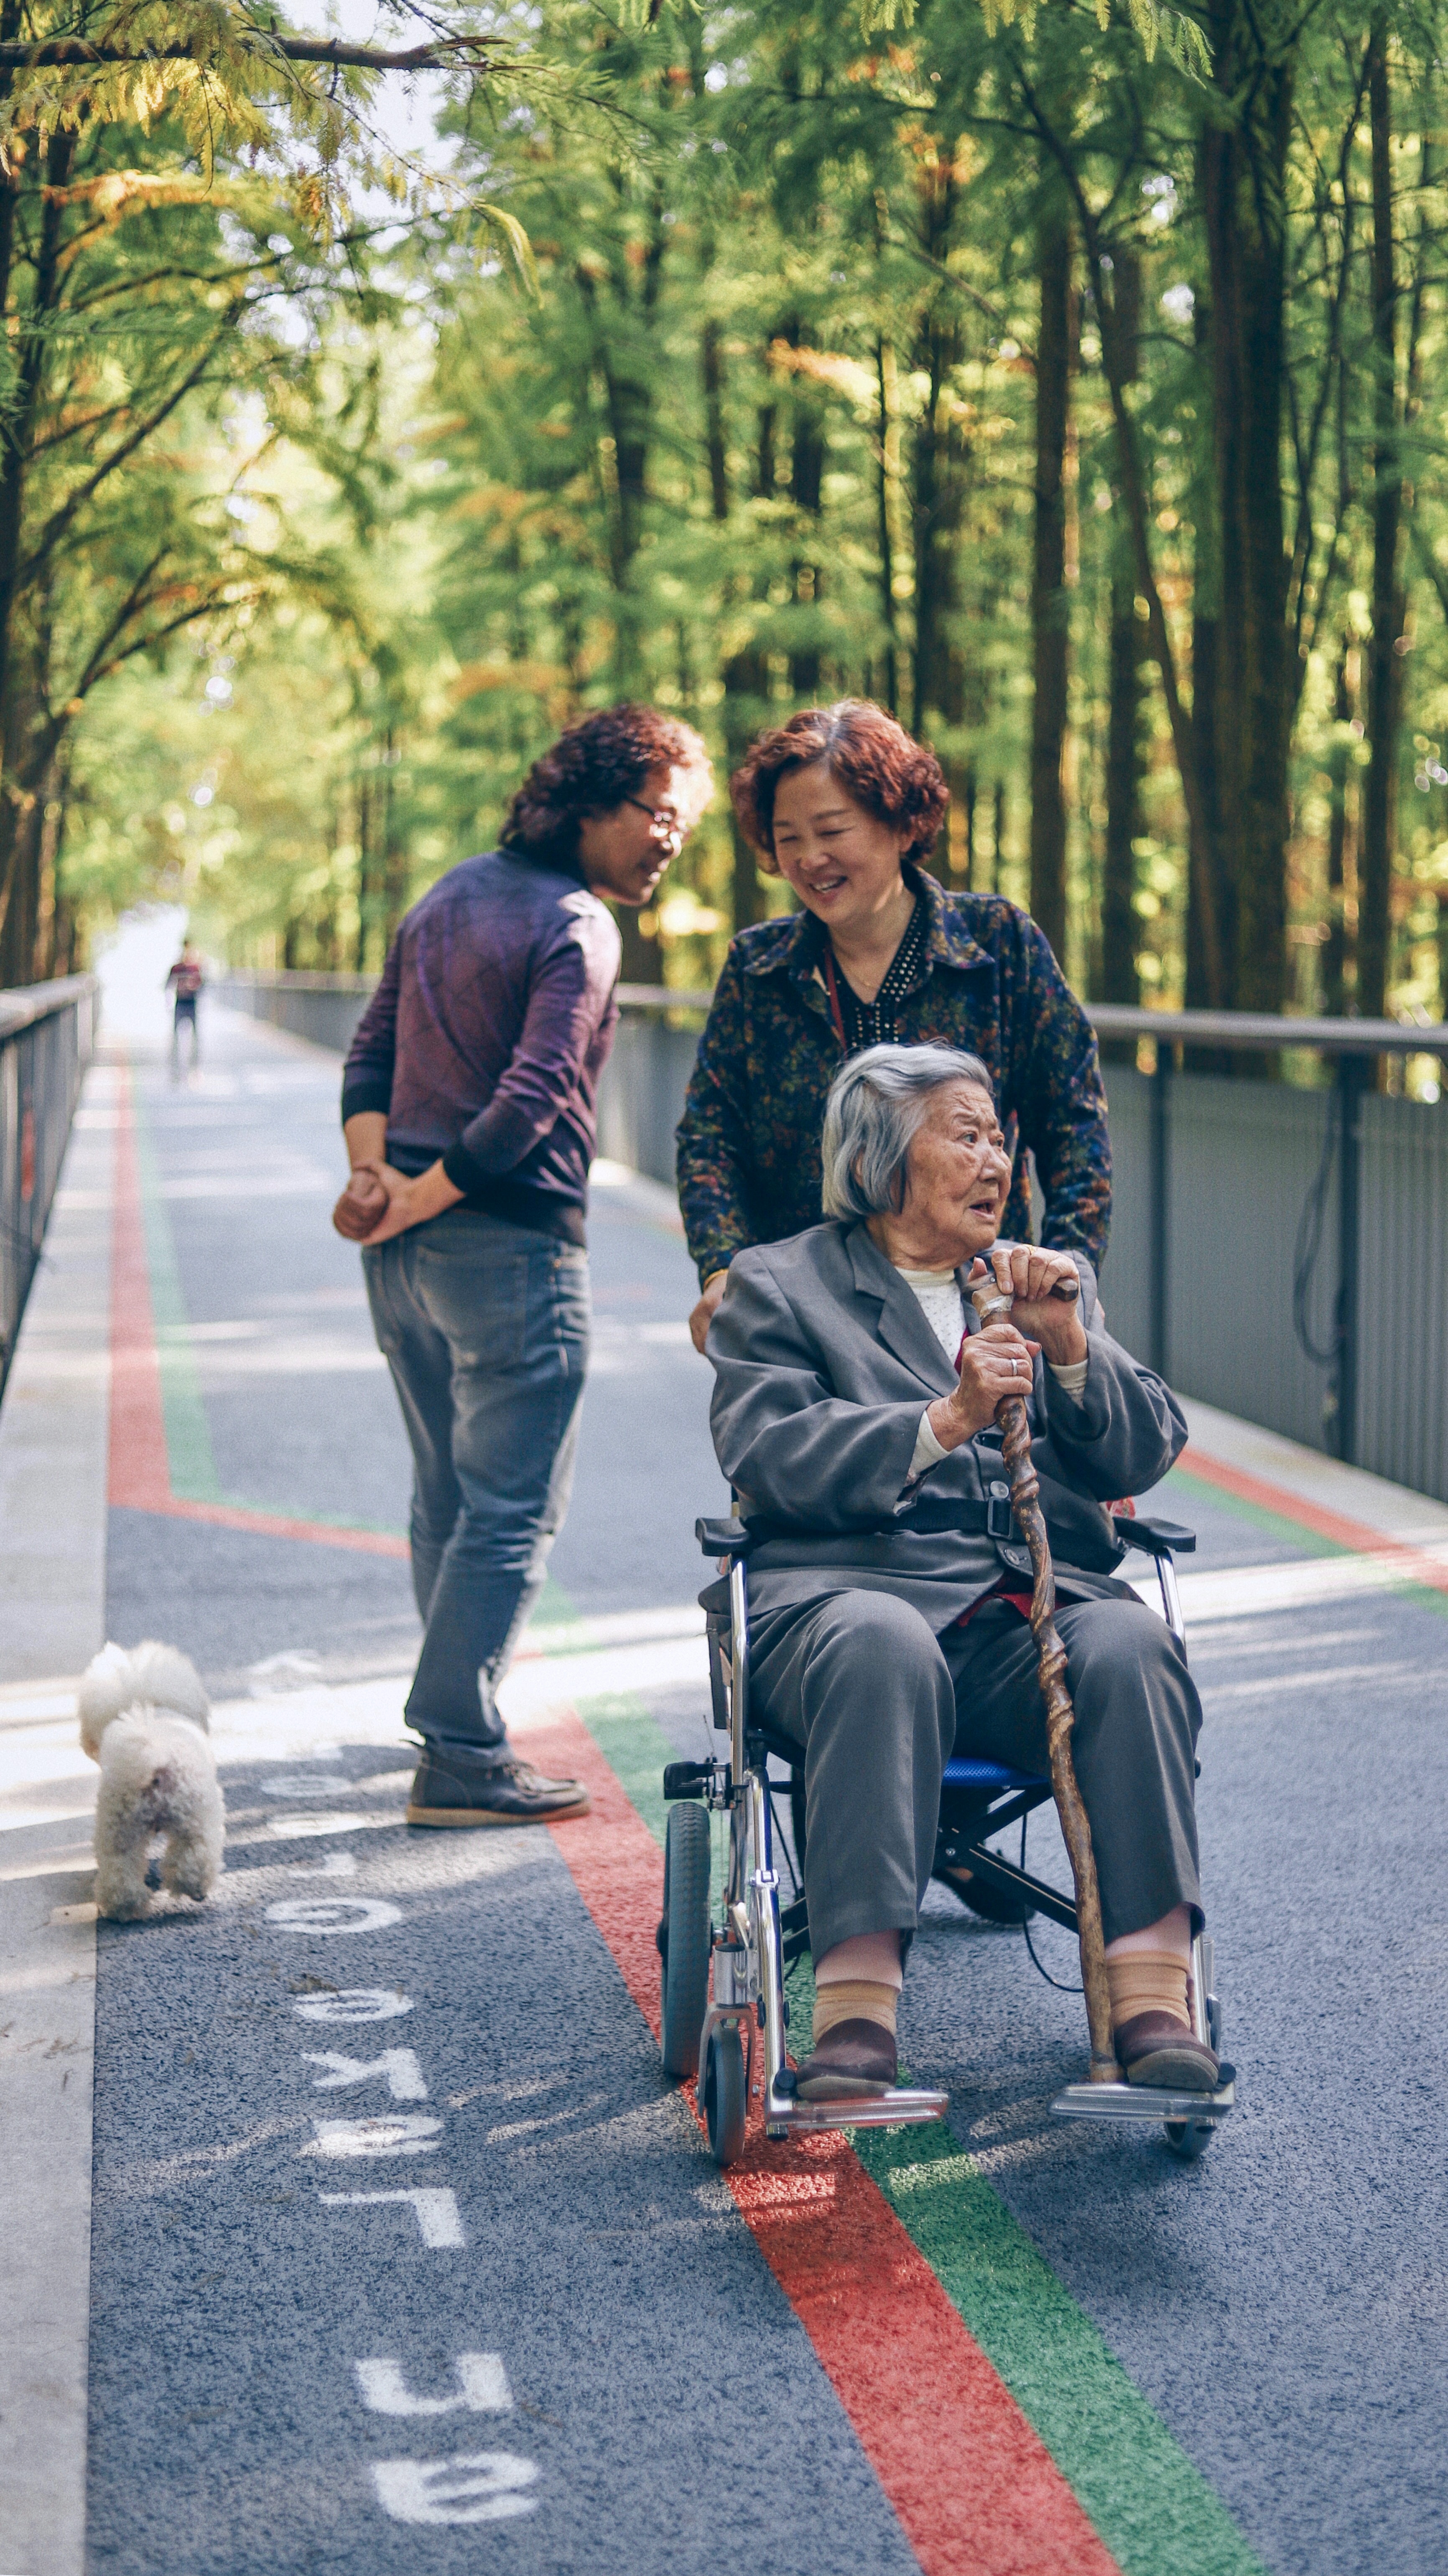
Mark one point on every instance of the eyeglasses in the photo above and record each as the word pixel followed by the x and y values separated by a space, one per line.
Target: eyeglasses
pixel 668 826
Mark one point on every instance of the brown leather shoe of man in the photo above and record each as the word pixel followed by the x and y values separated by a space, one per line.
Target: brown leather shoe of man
pixel 452 1786
pixel 1155 2048
pixel 854 2059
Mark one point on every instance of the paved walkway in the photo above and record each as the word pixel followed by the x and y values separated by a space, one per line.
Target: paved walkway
pixel 401 2253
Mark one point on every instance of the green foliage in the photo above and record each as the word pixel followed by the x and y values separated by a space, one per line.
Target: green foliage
pixel 757 426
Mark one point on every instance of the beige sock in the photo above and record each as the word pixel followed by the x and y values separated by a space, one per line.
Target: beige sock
pixel 1147 1981
pixel 854 1999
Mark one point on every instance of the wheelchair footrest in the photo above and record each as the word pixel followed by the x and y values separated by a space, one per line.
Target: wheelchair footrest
pixel 897 2110
pixel 1143 2102
pixel 688 1779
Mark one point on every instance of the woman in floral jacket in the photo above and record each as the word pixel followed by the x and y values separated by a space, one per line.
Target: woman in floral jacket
pixel 843 805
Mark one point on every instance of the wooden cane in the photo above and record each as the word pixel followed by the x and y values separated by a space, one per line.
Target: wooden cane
pixel 989 1301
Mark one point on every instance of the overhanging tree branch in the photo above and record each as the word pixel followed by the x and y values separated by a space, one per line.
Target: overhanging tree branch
pixel 73 53
pixel 61 519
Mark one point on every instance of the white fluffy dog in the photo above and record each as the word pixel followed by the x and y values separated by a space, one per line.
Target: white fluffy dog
pixel 144 1718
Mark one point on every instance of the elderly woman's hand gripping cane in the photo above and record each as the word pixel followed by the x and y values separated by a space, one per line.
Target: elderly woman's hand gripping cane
pixel 993 1302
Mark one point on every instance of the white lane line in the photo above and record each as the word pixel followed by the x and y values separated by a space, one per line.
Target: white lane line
pixel 482 2388
pixel 436 2211
pixel 613 1628
pixel 1251 1591
pixel 300 1829
pixel 532 1689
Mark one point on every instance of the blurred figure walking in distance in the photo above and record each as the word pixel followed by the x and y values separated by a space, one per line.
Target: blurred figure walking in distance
pixel 186 980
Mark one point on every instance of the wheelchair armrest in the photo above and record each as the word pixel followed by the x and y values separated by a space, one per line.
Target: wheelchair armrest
pixel 723 1538
pixel 1159 1538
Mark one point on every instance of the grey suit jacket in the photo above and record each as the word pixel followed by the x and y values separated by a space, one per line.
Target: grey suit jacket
pixel 823 1364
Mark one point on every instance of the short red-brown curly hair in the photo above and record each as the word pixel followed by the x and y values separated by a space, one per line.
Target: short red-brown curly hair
pixel 594 768
pixel 875 760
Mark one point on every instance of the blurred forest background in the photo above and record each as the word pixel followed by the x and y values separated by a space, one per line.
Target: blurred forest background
pixel 1072 379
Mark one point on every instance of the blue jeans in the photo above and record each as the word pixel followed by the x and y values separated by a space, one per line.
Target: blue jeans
pixel 484 1326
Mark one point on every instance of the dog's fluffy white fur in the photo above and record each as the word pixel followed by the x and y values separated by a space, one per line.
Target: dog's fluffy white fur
pixel 144 1718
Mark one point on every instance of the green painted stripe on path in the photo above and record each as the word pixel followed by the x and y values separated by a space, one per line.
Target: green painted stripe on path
pixel 1152 2507
pixel 1294 1534
pixel 190 1458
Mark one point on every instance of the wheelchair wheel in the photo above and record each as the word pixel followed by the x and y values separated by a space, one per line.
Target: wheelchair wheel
pixel 684 1939
pixel 724 2102
pixel 1188 2138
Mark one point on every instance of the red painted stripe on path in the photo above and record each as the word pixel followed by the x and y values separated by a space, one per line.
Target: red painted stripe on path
pixel 139 1473
pixel 140 1470
pixel 975 2490
pixel 1413 1563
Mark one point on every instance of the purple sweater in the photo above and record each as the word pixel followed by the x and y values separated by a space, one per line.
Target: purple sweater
pixel 486 1037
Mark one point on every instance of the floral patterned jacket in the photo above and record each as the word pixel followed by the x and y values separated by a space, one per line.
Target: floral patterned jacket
pixel 749 1139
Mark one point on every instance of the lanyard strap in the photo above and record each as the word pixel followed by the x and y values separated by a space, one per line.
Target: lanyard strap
pixel 836 1014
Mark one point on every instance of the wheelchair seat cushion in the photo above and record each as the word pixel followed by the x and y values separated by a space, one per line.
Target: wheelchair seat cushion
pixel 965 1771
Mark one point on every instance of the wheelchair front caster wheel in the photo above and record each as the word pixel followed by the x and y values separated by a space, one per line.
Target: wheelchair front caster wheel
pixel 723 2091
pixel 683 1939
pixel 1188 2138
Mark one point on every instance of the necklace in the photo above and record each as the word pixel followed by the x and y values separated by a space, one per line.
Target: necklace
pixel 863 1024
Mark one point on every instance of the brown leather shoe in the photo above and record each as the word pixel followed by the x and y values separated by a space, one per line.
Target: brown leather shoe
pixel 451 1786
pixel 853 2059
pixel 1155 2048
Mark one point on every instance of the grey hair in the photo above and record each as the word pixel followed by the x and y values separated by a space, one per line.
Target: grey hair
pixel 876 1105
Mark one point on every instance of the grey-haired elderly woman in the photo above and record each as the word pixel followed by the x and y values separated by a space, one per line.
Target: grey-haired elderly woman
pixel 854 1403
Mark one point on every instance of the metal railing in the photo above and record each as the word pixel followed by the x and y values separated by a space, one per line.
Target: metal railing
pixel 1279 1251
pixel 323 1008
pixel 47 1034
pixel 1283 1252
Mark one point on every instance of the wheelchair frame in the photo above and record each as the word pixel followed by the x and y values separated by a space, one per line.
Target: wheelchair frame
pixel 746 1962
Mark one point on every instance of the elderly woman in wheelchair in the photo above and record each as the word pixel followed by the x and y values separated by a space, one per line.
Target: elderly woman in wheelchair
pixel 853 1412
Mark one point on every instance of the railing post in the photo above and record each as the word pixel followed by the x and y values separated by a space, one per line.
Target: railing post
pixel 1159 1335
pixel 1353 1074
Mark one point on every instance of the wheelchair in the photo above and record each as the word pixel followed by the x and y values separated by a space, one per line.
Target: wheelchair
pixel 723 1987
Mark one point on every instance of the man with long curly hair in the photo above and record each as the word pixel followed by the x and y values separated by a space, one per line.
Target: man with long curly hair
pixel 469 1108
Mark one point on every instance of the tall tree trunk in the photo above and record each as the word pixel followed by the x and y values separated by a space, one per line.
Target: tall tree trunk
pixel 394 854
pixel 711 370
pixel 885 379
pixel 937 509
pixel 1124 707
pixel 17 431
pixel 1119 925
pixel 366 894
pixel 1050 620
pixel 806 485
pixel 1335 955
pixel 1375 863
pixel 998 839
pixel 1244 171
pixel 1211 879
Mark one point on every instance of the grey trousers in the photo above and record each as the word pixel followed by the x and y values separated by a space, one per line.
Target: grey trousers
pixel 485 1329
pixel 879 1704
